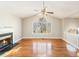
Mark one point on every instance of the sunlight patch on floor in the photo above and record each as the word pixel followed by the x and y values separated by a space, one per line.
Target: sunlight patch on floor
pixel 11 51
pixel 42 48
pixel 71 48
pixel 78 54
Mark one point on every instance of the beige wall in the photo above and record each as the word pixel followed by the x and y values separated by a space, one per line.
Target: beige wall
pixel 55 29
pixel 10 23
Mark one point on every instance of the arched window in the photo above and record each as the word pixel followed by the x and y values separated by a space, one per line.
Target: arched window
pixel 42 26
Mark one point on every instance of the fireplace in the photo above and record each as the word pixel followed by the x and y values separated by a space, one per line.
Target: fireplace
pixel 6 41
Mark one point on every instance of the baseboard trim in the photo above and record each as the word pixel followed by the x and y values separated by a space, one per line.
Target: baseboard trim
pixel 42 37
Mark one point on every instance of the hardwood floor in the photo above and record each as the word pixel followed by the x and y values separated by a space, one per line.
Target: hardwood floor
pixel 58 48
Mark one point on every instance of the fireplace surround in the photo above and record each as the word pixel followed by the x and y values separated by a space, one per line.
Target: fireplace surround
pixel 6 41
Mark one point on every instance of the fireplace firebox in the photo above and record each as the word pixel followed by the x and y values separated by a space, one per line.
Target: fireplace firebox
pixel 6 41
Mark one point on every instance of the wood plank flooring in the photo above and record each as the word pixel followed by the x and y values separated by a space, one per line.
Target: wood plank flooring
pixel 24 48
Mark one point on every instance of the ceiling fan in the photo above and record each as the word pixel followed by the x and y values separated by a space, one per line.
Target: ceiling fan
pixel 44 10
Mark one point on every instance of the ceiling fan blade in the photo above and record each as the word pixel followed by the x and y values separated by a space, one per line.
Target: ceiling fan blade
pixel 54 16
pixel 50 12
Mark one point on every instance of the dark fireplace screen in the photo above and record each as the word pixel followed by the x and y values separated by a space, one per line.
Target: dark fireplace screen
pixel 6 41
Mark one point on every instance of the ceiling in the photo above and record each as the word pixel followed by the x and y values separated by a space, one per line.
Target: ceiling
pixel 61 9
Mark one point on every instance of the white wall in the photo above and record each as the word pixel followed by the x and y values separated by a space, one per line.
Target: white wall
pixel 71 23
pixel 10 23
pixel 55 29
